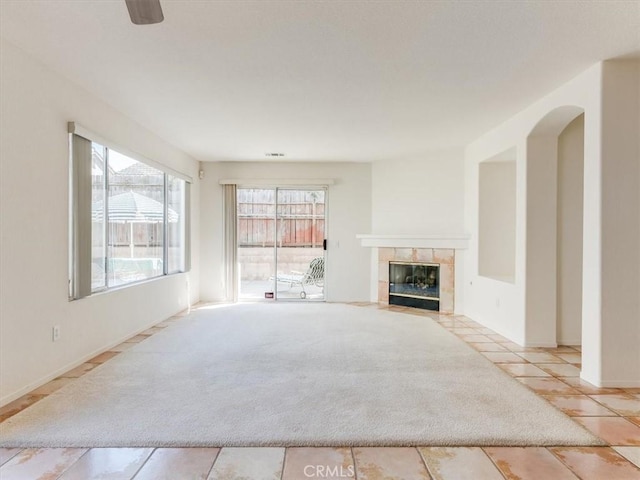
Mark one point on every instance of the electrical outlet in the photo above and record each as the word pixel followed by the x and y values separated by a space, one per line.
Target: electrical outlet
pixel 56 333
pixel 497 302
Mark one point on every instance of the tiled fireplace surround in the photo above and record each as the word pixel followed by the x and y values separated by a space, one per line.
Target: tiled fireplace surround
pixel 445 257
pixel 443 249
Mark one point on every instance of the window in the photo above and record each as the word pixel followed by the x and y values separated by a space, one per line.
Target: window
pixel 98 217
pixel 130 219
pixel 176 203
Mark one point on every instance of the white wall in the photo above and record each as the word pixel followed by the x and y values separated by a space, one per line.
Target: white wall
pixel 569 226
pixel 419 196
pixel 497 220
pixel 541 239
pixel 349 213
pixel 608 94
pixel 501 306
pixel 36 106
pixel 620 229
pixel 495 303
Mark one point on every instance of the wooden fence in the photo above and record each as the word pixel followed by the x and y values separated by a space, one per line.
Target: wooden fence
pixel 300 218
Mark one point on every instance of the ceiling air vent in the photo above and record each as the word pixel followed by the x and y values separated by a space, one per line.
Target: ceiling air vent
pixel 274 154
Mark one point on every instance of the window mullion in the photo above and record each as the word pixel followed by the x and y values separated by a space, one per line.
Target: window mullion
pixel 165 228
pixel 105 215
pixel 187 227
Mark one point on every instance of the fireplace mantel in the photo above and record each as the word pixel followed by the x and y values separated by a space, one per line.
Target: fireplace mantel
pixel 453 241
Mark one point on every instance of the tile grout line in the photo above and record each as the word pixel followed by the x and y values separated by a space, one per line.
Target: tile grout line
pixel 424 462
pixel 284 462
pixel 146 460
pixel 565 464
pixel 606 406
pixel 73 463
pixel 213 464
pixel 20 450
pixel 493 462
pixel 355 468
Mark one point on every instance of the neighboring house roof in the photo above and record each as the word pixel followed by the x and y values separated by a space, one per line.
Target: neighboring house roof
pixel 133 207
pixel 139 169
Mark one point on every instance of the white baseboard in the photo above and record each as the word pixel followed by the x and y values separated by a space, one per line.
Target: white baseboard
pixel 570 343
pixel 541 344
pixel 70 366
pixel 614 383
pixel 620 384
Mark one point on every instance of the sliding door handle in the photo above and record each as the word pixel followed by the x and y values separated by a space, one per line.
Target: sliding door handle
pixel 324 244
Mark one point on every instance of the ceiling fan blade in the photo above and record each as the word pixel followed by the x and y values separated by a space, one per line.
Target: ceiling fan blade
pixel 145 12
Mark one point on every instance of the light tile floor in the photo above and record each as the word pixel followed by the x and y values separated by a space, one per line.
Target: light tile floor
pixel 553 373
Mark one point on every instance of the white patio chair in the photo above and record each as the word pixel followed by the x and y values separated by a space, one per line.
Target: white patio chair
pixel 313 276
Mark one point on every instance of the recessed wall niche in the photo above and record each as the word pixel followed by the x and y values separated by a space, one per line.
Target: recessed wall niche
pixel 497 217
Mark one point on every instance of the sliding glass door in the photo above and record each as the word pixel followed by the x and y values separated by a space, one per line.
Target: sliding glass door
pixel 300 235
pixel 281 243
pixel 256 242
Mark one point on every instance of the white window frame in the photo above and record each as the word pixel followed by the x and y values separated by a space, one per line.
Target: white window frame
pixel 80 202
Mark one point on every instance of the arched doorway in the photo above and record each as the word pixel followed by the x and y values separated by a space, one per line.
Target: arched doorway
pixel 553 292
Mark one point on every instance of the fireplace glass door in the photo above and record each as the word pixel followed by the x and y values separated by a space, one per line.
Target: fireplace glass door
pixel 414 284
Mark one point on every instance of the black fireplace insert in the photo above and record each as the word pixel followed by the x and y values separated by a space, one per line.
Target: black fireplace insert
pixel 415 285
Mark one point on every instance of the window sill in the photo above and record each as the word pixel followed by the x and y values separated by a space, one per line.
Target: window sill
pixel 118 288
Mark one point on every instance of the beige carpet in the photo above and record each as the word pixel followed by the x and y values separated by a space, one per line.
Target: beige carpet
pixel 295 375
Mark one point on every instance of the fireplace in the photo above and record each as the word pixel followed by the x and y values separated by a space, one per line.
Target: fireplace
pixel 440 250
pixel 415 285
pixel 443 258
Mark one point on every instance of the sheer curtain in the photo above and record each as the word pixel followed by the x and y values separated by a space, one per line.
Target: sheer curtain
pixel 230 206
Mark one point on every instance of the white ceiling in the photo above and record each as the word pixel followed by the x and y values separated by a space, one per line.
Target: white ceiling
pixel 322 80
